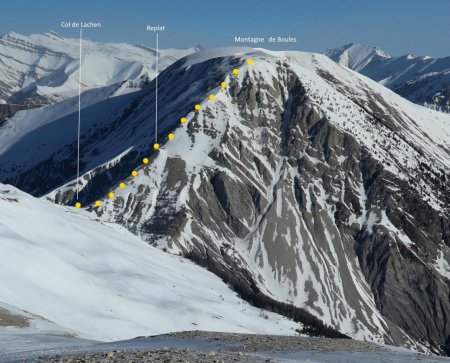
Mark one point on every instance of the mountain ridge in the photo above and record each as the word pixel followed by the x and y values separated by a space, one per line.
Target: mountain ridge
pixel 43 68
pixel 421 79
pixel 356 56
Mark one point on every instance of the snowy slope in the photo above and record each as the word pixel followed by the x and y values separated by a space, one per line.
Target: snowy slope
pixel 421 135
pixel 58 120
pixel 356 56
pixel 103 283
pixel 45 67
pixel 22 331
pixel 421 79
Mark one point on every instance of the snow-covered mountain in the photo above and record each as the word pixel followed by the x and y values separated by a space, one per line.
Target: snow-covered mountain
pixel 308 188
pixel 99 281
pixel 420 79
pixel 356 56
pixel 44 68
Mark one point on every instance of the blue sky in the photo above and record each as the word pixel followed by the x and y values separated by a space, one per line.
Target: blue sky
pixel 397 26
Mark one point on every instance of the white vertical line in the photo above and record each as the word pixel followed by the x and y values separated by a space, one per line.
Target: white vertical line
pixel 79 115
pixel 156 79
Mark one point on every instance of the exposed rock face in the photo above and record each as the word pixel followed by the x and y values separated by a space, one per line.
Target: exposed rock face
pixel 432 91
pixel 7 110
pixel 293 185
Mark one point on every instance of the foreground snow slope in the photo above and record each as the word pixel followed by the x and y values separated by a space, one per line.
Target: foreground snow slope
pixel 104 283
pixel 21 331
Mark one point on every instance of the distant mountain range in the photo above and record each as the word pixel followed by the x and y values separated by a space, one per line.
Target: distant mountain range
pixel 43 68
pixel 420 79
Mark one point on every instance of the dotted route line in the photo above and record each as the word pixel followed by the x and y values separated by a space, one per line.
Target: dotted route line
pixel 156 145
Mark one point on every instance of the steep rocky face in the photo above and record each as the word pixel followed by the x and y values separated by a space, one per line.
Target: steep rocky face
pixel 309 213
pixel 301 184
pixel 286 209
pixel 398 256
pixel 289 203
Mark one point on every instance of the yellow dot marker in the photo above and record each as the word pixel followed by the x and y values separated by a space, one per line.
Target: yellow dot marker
pixel 122 185
pixel 211 97
pixel 156 146
pixel 198 107
pixel 134 173
pixel 250 61
pixel 223 84
pixel 171 136
pixel 145 160
pixel 183 120
pixel 111 195
pixel 78 205
pixel 98 203
pixel 235 71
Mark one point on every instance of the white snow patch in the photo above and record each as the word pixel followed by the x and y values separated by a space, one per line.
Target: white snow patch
pixel 104 283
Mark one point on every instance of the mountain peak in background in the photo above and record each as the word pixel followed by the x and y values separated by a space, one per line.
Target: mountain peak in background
pixel 355 56
pixel 44 68
pixel 53 34
pixel 421 79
